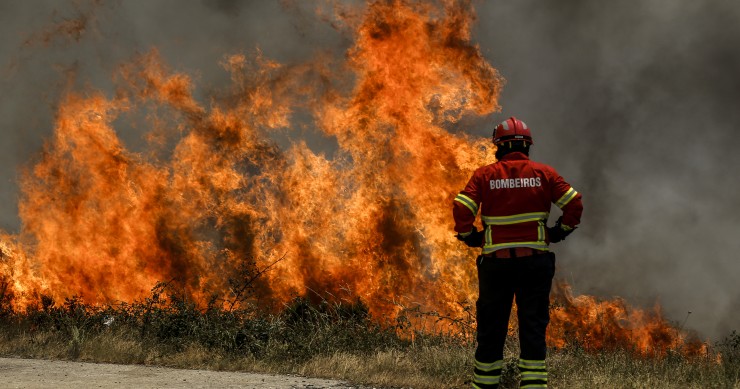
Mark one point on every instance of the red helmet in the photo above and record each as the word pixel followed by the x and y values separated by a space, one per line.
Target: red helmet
pixel 511 129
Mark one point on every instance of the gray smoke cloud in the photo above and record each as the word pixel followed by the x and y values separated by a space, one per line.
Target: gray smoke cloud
pixel 634 102
pixel 40 57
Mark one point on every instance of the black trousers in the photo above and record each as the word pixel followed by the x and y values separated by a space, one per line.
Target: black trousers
pixel 529 279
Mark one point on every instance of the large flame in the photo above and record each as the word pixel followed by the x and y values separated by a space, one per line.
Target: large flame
pixel 611 324
pixel 214 190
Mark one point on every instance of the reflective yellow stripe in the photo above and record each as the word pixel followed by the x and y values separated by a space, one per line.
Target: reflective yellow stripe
pixel 489 248
pixel 534 375
pixel 569 195
pixel 489 366
pixel 541 231
pixel 468 202
pixel 539 217
pixel 565 228
pixel 486 379
pixel 531 364
pixel 533 386
pixel 514 219
pixel 464 234
pixel 476 386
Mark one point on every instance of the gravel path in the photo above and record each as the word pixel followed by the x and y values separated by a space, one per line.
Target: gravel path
pixel 34 373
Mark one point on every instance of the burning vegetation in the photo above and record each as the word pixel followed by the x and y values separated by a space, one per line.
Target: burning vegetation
pixel 215 197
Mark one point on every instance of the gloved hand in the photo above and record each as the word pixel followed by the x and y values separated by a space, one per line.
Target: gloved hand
pixel 557 233
pixel 474 239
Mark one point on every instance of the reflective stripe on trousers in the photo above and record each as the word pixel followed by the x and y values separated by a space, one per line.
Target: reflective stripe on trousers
pixel 527 280
pixel 533 373
pixel 486 375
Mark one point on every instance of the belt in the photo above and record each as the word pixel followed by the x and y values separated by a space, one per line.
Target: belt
pixel 514 252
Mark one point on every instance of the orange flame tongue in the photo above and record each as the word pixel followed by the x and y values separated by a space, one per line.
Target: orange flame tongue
pixel 384 203
pixel 98 213
pixel 597 325
pixel 105 223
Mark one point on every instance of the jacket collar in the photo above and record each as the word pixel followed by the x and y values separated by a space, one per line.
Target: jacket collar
pixel 515 156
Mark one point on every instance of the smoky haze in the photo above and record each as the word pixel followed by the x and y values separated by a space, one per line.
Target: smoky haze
pixel 634 103
pixel 50 46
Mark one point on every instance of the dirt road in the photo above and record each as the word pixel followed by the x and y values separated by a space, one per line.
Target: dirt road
pixel 33 373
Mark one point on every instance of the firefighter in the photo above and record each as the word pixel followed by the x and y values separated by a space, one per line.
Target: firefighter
pixel 514 196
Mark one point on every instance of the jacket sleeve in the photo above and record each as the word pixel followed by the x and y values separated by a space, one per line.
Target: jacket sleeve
pixel 465 206
pixel 567 199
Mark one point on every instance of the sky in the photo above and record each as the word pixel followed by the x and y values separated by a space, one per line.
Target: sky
pixel 633 102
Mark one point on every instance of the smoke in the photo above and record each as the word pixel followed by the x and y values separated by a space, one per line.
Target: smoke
pixel 633 102
pixel 51 46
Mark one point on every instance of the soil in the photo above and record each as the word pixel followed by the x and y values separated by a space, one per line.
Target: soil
pixel 34 373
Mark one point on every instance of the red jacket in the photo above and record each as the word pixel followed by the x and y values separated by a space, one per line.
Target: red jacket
pixel 514 197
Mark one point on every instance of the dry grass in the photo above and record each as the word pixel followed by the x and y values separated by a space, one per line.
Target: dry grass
pixel 621 369
pixel 411 367
pixel 425 367
pixel 326 340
